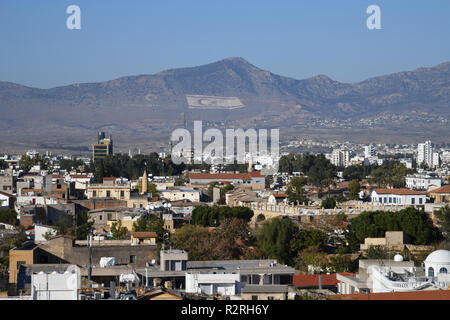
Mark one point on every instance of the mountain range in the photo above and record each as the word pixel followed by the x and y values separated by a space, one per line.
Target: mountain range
pixel 144 109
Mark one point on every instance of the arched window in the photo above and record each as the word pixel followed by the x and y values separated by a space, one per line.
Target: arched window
pixel 443 270
pixel 430 272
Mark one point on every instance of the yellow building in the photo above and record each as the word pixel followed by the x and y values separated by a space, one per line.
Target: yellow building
pixel 441 195
pixel 102 148
pixel 17 257
pixel 109 189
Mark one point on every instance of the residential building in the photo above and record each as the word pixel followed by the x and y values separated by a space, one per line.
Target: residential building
pixel 8 184
pixel 398 276
pixel 441 195
pixel 340 158
pixel 394 197
pixel 427 155
pixel 423 181
pixel 109 189
pixel 6 200
pixel 176 194
pixel 253 180
pixel 369 151
pixel 277 198
pixel 217 283
pixel 138 238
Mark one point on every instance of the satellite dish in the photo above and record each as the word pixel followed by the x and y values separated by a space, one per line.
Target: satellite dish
pixel 165 205
pixel 169 205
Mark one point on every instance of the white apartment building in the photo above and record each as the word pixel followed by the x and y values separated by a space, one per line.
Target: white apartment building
pixel 340 158
pixel 426 154
pixel 369 151
pixel 423 182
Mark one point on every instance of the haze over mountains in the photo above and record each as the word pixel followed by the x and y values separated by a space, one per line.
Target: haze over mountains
pixel 144 109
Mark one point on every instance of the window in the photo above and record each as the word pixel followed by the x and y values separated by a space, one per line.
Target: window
pixel 19 263
pixel 122 194
pixel 443 270
pixel 420 200
pixel 385 200
pixel 100 217
pixel 94 194
pixel 254 297
pixel 390 199
pixel 430 272
pixel 108 194
pixel 109 216
pixel 413 200
pixel 395 200
pixel 133 259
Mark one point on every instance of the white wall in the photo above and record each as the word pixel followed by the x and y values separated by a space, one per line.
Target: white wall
pixel 40 231
pixel 209 283
pixel 55 286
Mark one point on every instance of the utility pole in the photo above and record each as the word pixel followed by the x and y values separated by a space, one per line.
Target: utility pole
pixel 90 259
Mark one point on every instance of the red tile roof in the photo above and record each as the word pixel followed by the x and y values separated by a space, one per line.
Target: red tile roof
pixel 279 195
pixel 312 280
pixel 256 174
pixel 142 234
pixel 443 189
pixel 79 176
pixel 402 191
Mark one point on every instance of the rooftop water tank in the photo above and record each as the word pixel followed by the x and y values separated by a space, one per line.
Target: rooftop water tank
pixel 398 258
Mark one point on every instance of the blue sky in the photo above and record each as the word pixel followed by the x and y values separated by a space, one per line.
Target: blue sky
pixel 299 39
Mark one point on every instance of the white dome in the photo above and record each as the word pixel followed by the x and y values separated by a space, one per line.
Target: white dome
pixel 439 256
pixel 398 258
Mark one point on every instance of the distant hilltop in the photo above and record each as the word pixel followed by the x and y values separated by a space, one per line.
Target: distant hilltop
pixel 229 92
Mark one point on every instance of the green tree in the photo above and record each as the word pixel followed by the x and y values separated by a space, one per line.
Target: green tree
pixel 80 226
pixel 309 238
pixel 8 216
pixel 194 239
pixel 211 216
pixel 268 181
pixel 376 252
pixel 353 189
pixel 26 162
pixel 295 190
pixel 311 256
pixel 275 239
pixel 328 203
pixel 3 164
pixel 339 263
pixel 443 220
pixel 416 224
pixel 150 223
pixel 118 231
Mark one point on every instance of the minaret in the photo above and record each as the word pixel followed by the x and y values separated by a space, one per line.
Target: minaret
pixel 144 182
pixel 250 165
